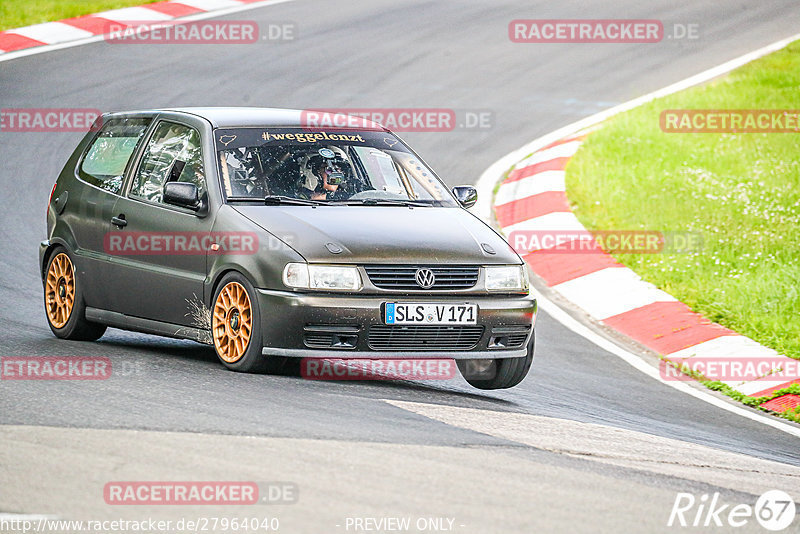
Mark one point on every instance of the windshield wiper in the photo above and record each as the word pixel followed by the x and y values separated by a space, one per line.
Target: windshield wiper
pixel 280 199
pixel 386 202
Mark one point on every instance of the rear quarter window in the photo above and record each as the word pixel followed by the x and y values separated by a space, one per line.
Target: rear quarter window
pixel 104 163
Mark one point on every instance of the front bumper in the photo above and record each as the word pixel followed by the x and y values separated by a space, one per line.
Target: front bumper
pixel 298 325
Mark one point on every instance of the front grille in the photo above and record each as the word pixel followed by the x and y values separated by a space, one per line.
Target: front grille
pixel 403 277
pixel 394 337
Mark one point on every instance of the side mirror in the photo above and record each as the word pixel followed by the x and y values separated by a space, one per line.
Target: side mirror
pixel 183 194
pixel 466 194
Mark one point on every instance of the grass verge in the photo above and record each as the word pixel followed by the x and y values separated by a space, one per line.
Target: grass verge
pixel 740 191
pixel 753 402
pixel 18 13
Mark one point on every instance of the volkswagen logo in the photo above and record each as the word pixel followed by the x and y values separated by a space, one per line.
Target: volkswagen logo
pixel 425 278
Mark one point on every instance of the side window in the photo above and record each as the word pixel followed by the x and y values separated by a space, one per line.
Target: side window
pixel 173 154
pixel 105 161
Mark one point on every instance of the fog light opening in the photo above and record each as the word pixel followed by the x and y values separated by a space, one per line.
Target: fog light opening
pixel 344 341
pixel 498 342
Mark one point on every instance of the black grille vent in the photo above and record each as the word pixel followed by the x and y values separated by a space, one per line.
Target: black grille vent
pixel 508 337
pixel 403 277
pixel 330 336
pixel 394 337
pixel 318 339
pixel 515 340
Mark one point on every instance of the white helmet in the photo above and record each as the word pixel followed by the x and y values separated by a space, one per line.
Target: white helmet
pixel 314 159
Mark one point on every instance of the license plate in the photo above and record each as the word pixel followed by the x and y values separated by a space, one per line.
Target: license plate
pixel 401 313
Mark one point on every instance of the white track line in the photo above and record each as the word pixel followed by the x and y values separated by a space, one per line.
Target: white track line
pixel 494 173
pixel 8 56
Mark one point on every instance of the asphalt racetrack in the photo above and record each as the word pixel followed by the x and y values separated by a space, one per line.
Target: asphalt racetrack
pixel 585 442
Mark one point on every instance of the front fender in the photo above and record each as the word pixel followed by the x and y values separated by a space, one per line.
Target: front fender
pixel 263 266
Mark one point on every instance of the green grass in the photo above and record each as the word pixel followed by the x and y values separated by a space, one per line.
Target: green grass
pixel 17 13
pixel 756 402
pixel 740 191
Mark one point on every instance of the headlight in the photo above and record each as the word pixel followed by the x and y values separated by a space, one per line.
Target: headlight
pixel 507 278
pixel 325 277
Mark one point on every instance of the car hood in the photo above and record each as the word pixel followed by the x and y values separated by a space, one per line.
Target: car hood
pixel 382 234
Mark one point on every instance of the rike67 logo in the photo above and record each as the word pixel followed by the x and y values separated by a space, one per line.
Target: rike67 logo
pixel 774 510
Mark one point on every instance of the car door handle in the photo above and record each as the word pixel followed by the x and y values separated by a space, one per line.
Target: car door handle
pixel 119 221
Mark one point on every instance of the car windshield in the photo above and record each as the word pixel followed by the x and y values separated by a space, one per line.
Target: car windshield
pixel 330 167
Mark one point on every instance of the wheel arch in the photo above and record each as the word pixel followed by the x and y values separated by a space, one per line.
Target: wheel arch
pixel 215 281
pixel 51 247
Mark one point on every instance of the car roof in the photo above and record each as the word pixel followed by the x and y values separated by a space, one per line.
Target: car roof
pixel 242 117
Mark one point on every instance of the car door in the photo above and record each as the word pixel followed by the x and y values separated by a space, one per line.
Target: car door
pixel 88 207
pixel 154 278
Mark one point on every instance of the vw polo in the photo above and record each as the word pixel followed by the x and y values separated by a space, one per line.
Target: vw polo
pixel 248 230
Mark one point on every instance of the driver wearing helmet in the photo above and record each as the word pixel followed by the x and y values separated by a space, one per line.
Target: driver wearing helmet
pixel 322 171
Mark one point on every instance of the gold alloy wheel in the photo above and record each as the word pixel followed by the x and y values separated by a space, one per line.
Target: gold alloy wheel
pixel 232 323
pixel 60 290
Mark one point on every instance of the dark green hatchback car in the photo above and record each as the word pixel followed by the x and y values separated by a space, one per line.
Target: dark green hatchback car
pixel 269 239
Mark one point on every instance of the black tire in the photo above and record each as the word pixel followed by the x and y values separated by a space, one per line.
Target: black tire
pixel 76 327
pixel 498 373
pixel 251 361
